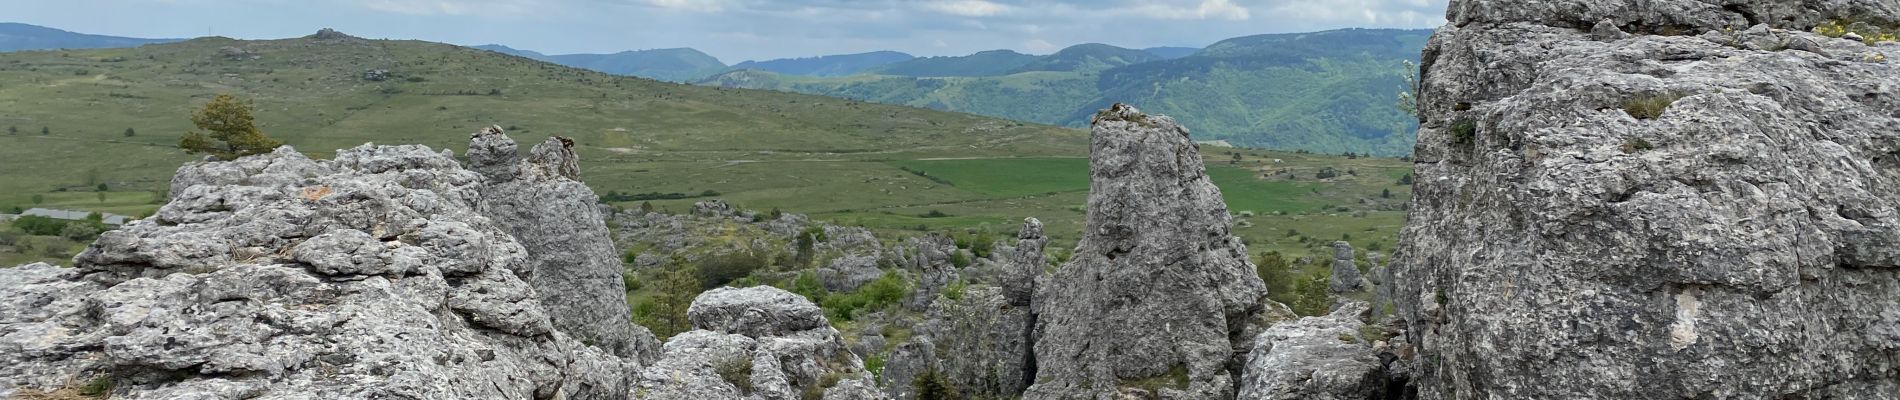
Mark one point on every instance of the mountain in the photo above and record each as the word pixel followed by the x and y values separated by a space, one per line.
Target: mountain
pixel 514 52
pixel 1171 52
pixel 644 136
pixel 987 63
pixel 17 37
pixel 1331 92
pixel 834 65
pixel 677 65
pixel 1090 57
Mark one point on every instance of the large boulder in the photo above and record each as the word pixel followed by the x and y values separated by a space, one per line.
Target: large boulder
pixel 1605 215
pixel 541 201
pixel 756 343
pixel 278 276
pixel 1159 290
pixel 1315 358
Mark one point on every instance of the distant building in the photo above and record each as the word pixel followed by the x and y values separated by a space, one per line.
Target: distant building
pixel 109 219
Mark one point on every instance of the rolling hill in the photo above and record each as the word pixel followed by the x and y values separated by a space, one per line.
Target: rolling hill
pixel 17 37
pixel 675 65
pixel 1331 92
pixel 77 122
pixel 833 65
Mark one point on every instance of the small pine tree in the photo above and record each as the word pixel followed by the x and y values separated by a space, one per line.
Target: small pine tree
pixel 37 199
pixel 45 131
pixel 129 132
pixel 232 130
pixel 1385 193
pixel 13 130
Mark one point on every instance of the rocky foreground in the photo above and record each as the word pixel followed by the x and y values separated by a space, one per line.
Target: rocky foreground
pixel 1629 199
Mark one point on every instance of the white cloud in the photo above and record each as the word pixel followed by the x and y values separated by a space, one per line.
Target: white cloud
pixel 1207 9
pixel 690 5
pixel 453 7
pixel 968 8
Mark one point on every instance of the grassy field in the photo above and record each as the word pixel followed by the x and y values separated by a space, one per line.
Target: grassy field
pixel 835 159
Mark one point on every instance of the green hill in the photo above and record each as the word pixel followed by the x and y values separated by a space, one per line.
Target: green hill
pixel 1331 92
pixel 834 65
pixel 1090 57
pixel 987 63
pixel 112 118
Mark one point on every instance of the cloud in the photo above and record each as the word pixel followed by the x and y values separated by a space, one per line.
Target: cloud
pixel 452 7
pixel 1207 9
pixel 968 8
pixel 1039 46
pixel 689 5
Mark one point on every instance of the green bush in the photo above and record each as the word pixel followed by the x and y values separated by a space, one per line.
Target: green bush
pixel 1314 297
pixel 718 270
pixel 1649 106
pixel 1464 132
pixel 878 294
pixel 1278 275
pixel 738 372
pixel 933 386
pixel 38 225
pixel 958 259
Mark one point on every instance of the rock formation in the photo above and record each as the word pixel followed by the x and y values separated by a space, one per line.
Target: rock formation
pixel 1315 358
pixel 277 276
pixel 542 203
pixel 1655 199
pixel 1345 277
pixel 1159 291
pixel 756 343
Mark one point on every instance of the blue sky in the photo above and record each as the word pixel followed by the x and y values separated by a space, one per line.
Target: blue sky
pixel 736 30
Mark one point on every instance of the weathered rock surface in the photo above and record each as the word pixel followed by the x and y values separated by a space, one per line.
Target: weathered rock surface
pixel 278 276
pixel 1655 216
pixel 908 361
pixel 1159 288
pixel 1345 277
pixel 543 204
pixel 1315 358
pixel 756 343
pixel 983 342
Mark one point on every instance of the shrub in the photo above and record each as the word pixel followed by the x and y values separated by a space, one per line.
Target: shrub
pixel 1277 274
pixel 38 225
pixel 232 131
pixel 1649 106
pixel 958 259
pixel 738 372
pixel 80 232
pixel 934 214
pixel 717 270
pixel 1633 145
pixel 667 314
pixel 1313 296
pixel 932 386
pixel 1464 132
pixel 878 294
pixel 631 280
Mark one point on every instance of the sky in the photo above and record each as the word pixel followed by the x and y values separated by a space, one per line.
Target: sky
pixel 736 30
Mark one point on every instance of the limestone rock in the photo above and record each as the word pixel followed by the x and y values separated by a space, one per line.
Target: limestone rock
pixel 1314 358
pixel 1657 217
pixel 278 276
pixel 982 341
pixel 1159 287
pixel 909 360
pixel 1345 274
pixel 756 343
pixel 542 203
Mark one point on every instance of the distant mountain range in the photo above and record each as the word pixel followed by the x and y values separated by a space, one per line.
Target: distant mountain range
pixel 1330 91
pixel 18 37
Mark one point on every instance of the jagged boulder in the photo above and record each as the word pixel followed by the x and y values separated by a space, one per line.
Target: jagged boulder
pixel 1315 358
pixel 278 276
pixel 756 343
pixel 1159 289
pixel 909 360
pixel 1657 215
pixel 982 341
pixel 543 204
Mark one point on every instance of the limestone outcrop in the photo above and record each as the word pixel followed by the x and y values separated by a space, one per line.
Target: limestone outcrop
pixel 756 343
pixel 541 201
pixel 1655 199
pixel 1159 290
pixel 276 276
pixel 1315 358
